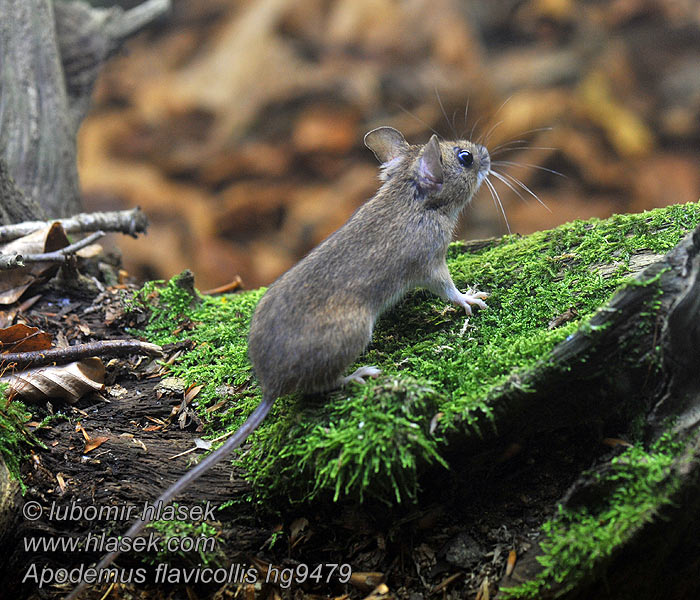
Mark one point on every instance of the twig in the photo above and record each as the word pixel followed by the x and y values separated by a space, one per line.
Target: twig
pixel 137 18
pixel 131 222
pixel 232 286
pixel 39 358
pixel 62 254
pixel 10 261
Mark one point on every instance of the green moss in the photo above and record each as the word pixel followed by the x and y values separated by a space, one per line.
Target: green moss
pixel 375 439
pixel 578 541
pixel 368 439
pixel 14 437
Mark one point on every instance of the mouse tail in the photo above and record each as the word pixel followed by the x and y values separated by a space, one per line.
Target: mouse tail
pixel 250 425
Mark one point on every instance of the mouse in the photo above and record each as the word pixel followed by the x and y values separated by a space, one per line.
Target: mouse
pixel 316 319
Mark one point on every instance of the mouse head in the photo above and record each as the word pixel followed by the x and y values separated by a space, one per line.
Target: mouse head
pixel 445 172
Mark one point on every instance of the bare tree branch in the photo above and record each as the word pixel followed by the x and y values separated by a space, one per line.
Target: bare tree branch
pixel 38 358
pixel 131 222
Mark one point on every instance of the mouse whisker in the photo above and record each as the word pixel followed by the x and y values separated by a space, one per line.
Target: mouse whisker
pixel 417 118
pixel 503 180
pixel 466 112
pixel 490 132
pixel 444 113
pixel 524 187
pixel 486 137
pixel 506 144
pixel 497 201
pixel 471 133
pixel 512 163
pixel 503 148
pixel 523 134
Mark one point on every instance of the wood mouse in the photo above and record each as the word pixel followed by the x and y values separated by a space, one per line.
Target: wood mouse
pixel 316 319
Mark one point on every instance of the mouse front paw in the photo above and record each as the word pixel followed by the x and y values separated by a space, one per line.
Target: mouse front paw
pixel 466 301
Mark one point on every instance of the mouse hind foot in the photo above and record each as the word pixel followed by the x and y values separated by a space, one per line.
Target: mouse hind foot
pixel 359 375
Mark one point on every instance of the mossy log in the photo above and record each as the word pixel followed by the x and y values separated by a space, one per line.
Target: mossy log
pixel 630 522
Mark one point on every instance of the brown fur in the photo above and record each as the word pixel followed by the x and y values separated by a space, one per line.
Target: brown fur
pixel 317 318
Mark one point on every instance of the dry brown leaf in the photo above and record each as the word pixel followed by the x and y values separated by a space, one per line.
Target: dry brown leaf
pixel 90 251
pixel 297 527
pixel 381 592
pixel 615 442
pixel 624 129
pixel 366 581
pixel 93 443
pixel 14 282
pixel 510 565
pixel 84 329
pixel 216 406
pixel 79 427
pixel 23 338
pixel 69 382
pixel 140 444
pixel 192 392
pixel 447 581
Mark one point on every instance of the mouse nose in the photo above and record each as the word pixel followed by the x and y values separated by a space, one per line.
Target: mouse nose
pixel 484 158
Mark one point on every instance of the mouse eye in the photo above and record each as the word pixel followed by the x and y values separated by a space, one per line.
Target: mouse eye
pixel 465 158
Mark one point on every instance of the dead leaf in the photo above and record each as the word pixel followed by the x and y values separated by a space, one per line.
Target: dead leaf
pixel 140 444
pixel 434 421
pixel 84 329
pixel 297 527
pixel 447 581
pixel 69 382
pixel 23 338
pixel 216 406
pixel 95 442
pixel 90 251
pixel 625 130
pixel 510 565
pixel 366 581
pixel 381 592
pixel 483 593
pixel 79 427
pixel 14 282
pixel 192 392
pixel 614 442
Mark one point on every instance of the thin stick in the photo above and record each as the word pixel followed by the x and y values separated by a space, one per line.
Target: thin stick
pixel 62 254
pixel 131 222
pixel 40 358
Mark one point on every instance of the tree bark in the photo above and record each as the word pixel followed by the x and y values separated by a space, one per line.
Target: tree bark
pixel 50 55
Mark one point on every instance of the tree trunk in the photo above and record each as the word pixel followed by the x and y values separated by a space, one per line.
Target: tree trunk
pixel 50 55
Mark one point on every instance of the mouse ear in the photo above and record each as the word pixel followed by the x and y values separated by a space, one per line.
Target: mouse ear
pixel 387 143
pixel 430 166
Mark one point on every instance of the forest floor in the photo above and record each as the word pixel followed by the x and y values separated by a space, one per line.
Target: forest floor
pixel 454 540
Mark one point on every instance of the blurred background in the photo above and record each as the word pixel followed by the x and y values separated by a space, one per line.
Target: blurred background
pixel 237 125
